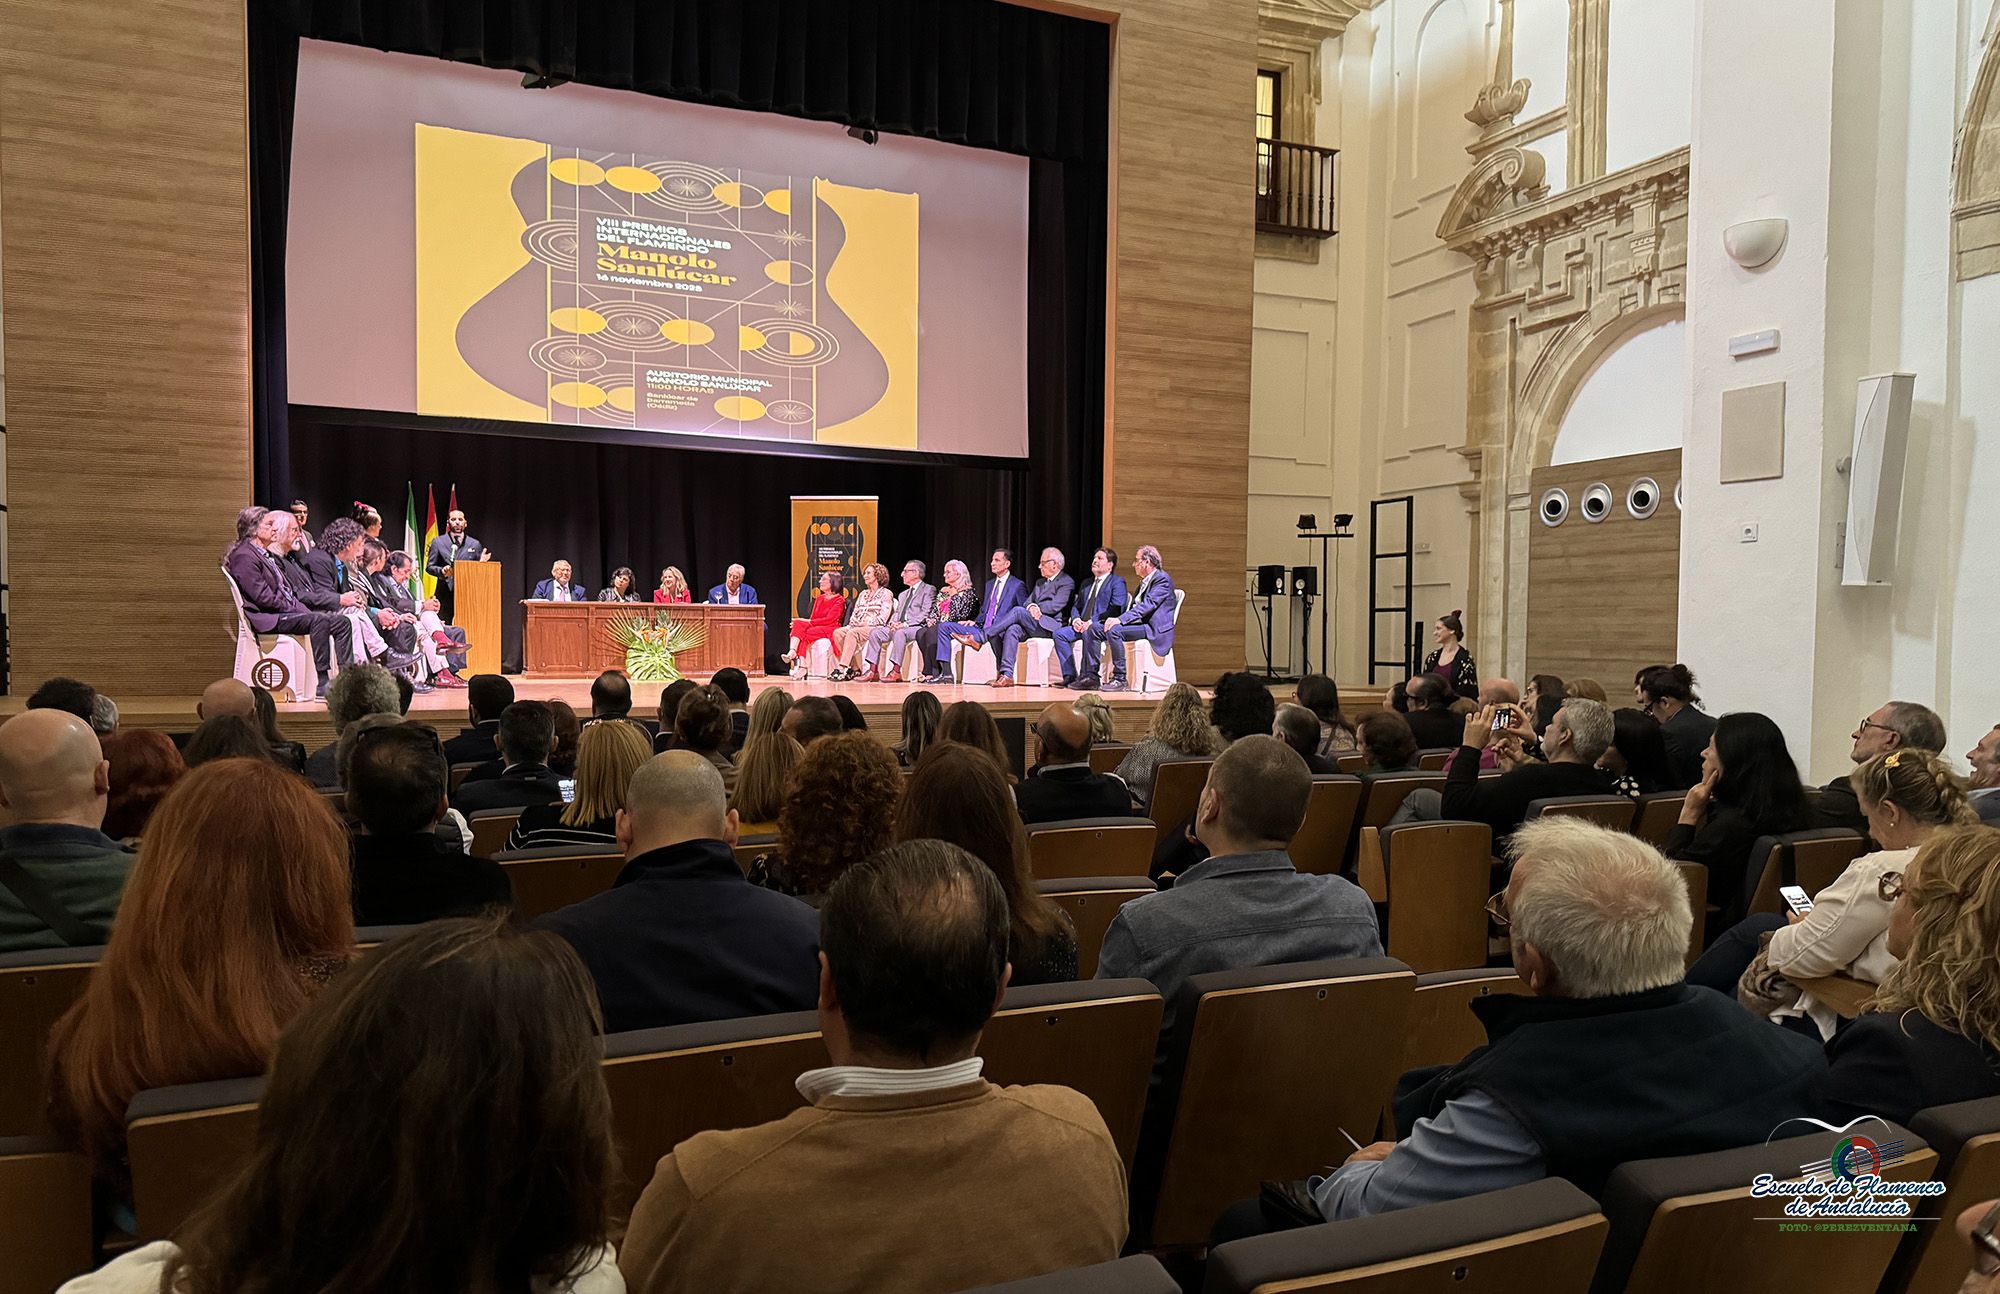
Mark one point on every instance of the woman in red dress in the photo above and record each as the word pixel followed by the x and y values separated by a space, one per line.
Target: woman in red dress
pixel 673 587
pixel 829 604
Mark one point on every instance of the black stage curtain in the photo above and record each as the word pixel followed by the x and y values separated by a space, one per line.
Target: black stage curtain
pixel 974 72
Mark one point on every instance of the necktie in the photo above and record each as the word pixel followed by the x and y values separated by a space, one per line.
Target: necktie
pixel 1096 587
pixel 562 593
pixel 993 607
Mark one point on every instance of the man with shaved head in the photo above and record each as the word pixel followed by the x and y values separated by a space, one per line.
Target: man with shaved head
pixel 1061 785
pixel 60 876
pixel 681 936
pixel 226 696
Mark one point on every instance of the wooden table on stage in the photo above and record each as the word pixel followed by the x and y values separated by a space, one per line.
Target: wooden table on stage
pixel 573 639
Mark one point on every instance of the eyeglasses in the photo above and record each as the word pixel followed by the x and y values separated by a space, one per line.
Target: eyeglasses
pixel 1890 887
pixel 1985 1247
pixel 1496 908
pixel 1866 724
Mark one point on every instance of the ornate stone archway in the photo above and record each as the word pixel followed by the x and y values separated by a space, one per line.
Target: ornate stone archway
pixel 1975 197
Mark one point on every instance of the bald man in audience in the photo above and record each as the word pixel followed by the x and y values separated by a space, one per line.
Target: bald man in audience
pixel 1061 785
pixel 226 696
pixel 681 936
pixel 60 876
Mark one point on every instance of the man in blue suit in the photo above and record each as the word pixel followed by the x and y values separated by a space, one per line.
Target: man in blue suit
pixel 733 591
pixel 1103 597
pixel 1043 611
pixel 1151 616
pixel 559 587
pixel 1004 594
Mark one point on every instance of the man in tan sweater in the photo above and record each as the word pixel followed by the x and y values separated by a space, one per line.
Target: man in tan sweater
pixel 907 1172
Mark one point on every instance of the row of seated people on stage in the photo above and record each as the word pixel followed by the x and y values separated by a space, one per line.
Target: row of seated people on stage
pixel 871 634
pixel 561 586
pixel 898 907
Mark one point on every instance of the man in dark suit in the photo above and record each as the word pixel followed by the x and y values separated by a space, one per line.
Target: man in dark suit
pixel 559 587
pixel 1061 785
pixel 271 606
pixel 733 591
pixel 681 936
pixel 449 548
pixel 403 873
pixel 1151 616
pixel 486 696
pixel 1043 612
pixel 527 736
pixel 1004 594
pixel 1103 598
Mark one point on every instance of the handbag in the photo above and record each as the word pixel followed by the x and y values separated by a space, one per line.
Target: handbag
pixel 1762 989
pixel 35 897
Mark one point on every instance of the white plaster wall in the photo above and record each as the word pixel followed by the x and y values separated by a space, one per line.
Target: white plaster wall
pixel 1649 80
pixel 1541 53
pixel 1633 402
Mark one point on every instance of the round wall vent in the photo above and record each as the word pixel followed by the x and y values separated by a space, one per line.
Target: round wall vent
pixel 1597 502
pixel 1554 509
pixel 1643 498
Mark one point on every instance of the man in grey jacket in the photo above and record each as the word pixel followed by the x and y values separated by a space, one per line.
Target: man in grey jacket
pixel 906 625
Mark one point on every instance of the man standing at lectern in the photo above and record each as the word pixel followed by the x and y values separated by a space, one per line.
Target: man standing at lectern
pixel 453 546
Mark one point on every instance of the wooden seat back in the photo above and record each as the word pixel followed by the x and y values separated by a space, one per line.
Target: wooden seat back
pixel 558 875
pixel 490 829
pixel 1435 878
pixel 1351 763
pixel 36 987
pixel 1435 758
pixel 1097 1037
pixel 1320 847
pixel 1138 1274
pixel 1106 756
pixel 1695 875
pixel 1827 850
pixel 45 1201
pixel 1177 787
pixel 184 1143
pixel 1091 902
pixel 1966 1137
pixel 1616 812
pixel 1659 811
pixel 1384 794
pixel 1077 847
pixel 1443 1030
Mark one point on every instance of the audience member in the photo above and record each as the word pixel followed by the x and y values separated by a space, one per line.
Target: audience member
pixel 1062 785
pixel 103 716
pixel 735 685
pixel 356 691
pixel 248 944
pixel 609 752
pixel 285 753
pixel 841 807
pixel 702 726
pixel 144 766
pixel 406 692
pixel 1985 780
pixel 486 695
pixel 1636 759
pixel 958 794
pixel 1319 694
pixel 611 696
pixel 681 937
pixel 767 714
pixel 851 718
pixel 1179 729
pixel 226 696
pixel 404 873
pixel 763 778
pixel 1501 694
pixel 1589 689
pixel 1245 904
pixel 1749 788
pixel 343 750
pixel 907 1170
pixel 1430 718
pixel 1609 1058
pixel 527 736
pixel 454 1073
pixel 1387 744
pixel 1931 1034
pixel 921 714
pixel 1575 740
pixel 1242 707
pixel 969 723
pixel 1103 724
pixel 61 876
pixel 568 729
pixel 67 695
pixel 671 697
pixel 227 736
pixel 1666 692
pixel 1906 796
pixel 810 718
pixel 1298 728
pixel 1895 725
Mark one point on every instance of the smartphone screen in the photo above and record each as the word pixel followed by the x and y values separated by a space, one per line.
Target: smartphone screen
pixel 568 785
pixel 1503 718
pixel 1795 899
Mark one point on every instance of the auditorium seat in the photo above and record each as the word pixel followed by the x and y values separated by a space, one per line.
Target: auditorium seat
pixel 1658 812
pixel 1689 1223
pixel 335 797
pixel 1435 878
pixel 490 829
pixel 1382 795
pixel 1320 847
pixel 1091 847
pixel 556 876
pixel 1351 763
pixel 1097 1037
pixel 458 772
pixel 1266 1069
pixel 1541 1238
pixel 1776 860
pixel 1696 877
pixel 45 1221
pixel 183 1142
pixel 1091 902
pixel 36 987
pixel 819 658
pixel 1443 1030
pixel 1616 812
pixel 1177 787
pixel 1966 1138
pixel 1148 671
pixel 1106 756
pixel 749 847
pixel 1139 1274
pixel 292 651
pixel 1433 759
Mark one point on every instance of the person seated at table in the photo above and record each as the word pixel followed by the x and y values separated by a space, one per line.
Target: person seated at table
pixel 732 591
pixel 674 586
pixel 872 609
pixel 620 589
pixel 829 605
pixel 559 587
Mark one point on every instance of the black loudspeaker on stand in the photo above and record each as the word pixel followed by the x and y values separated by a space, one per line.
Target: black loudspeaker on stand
pixel 1270 583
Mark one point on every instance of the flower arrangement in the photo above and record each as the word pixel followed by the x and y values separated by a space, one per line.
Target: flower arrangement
pixel 652 641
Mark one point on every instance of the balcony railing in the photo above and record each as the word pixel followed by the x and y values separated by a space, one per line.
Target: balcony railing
pixel 1296 189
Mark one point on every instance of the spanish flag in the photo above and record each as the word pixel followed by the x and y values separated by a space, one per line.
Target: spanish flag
pixel 430 533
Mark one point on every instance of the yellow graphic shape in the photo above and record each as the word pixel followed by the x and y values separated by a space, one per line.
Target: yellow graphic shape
pixel 688 332
pixel 873 279
pixel 578 395
pixel 739 408
pixel 632 179
pixel 799 343
pixel 577 171
pixel 468 243
pixel 780 201
pixel 748 338
pixel 788 272
pixel 577 319
pixel 620 398
pixel 738 195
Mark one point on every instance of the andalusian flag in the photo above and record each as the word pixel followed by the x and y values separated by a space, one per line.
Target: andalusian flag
pixel 430 533
pixel 410 542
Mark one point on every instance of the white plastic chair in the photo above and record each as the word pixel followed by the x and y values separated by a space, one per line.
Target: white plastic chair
pixel 819 658
pixel 1147 670
pixel 1035 664
pixel 292 651
pixel 974 665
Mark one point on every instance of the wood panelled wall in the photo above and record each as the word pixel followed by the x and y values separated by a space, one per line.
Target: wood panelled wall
pixel 123 175
pixel 1604 597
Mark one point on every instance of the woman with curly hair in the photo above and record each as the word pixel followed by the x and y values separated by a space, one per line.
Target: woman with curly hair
pixel 1180 730
pixel 872 608
pixel 969 723
pixel 1931 1034
pixel 841 808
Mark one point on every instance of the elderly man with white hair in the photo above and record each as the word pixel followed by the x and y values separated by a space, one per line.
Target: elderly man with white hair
pixel 1610 1057
pixel 1051 596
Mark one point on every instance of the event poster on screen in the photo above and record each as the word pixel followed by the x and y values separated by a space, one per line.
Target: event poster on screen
pixel 566 286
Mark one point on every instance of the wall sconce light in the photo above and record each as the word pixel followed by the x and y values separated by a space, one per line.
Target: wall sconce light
pixel 1751 243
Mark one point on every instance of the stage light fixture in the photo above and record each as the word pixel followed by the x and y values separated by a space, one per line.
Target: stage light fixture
pixel 1308 521
pixel 1342 520
pixel 542 81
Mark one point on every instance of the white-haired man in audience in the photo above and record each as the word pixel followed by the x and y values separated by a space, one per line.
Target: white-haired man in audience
pixel 1895 725
pixel 1985 779
pixel 357 691
pixel 1610 1057
pixel 1572 743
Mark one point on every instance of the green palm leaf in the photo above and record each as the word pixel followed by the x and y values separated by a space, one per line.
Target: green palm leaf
pixel 652 642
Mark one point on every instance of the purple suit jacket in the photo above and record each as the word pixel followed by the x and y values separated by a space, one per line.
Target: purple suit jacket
pixel 266 595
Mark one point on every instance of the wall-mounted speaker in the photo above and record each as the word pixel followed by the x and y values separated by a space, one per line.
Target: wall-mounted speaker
pixel 1596 505
pixel 1305 581
pixel 1642 498
pixel 1270 580
pixel 1554 507
pixel 1875 477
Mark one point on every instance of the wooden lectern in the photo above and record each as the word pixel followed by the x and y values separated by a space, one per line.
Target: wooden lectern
pixel 476 609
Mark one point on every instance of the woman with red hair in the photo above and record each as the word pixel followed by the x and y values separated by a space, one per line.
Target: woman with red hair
pixel 236 913
pixel 145 765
